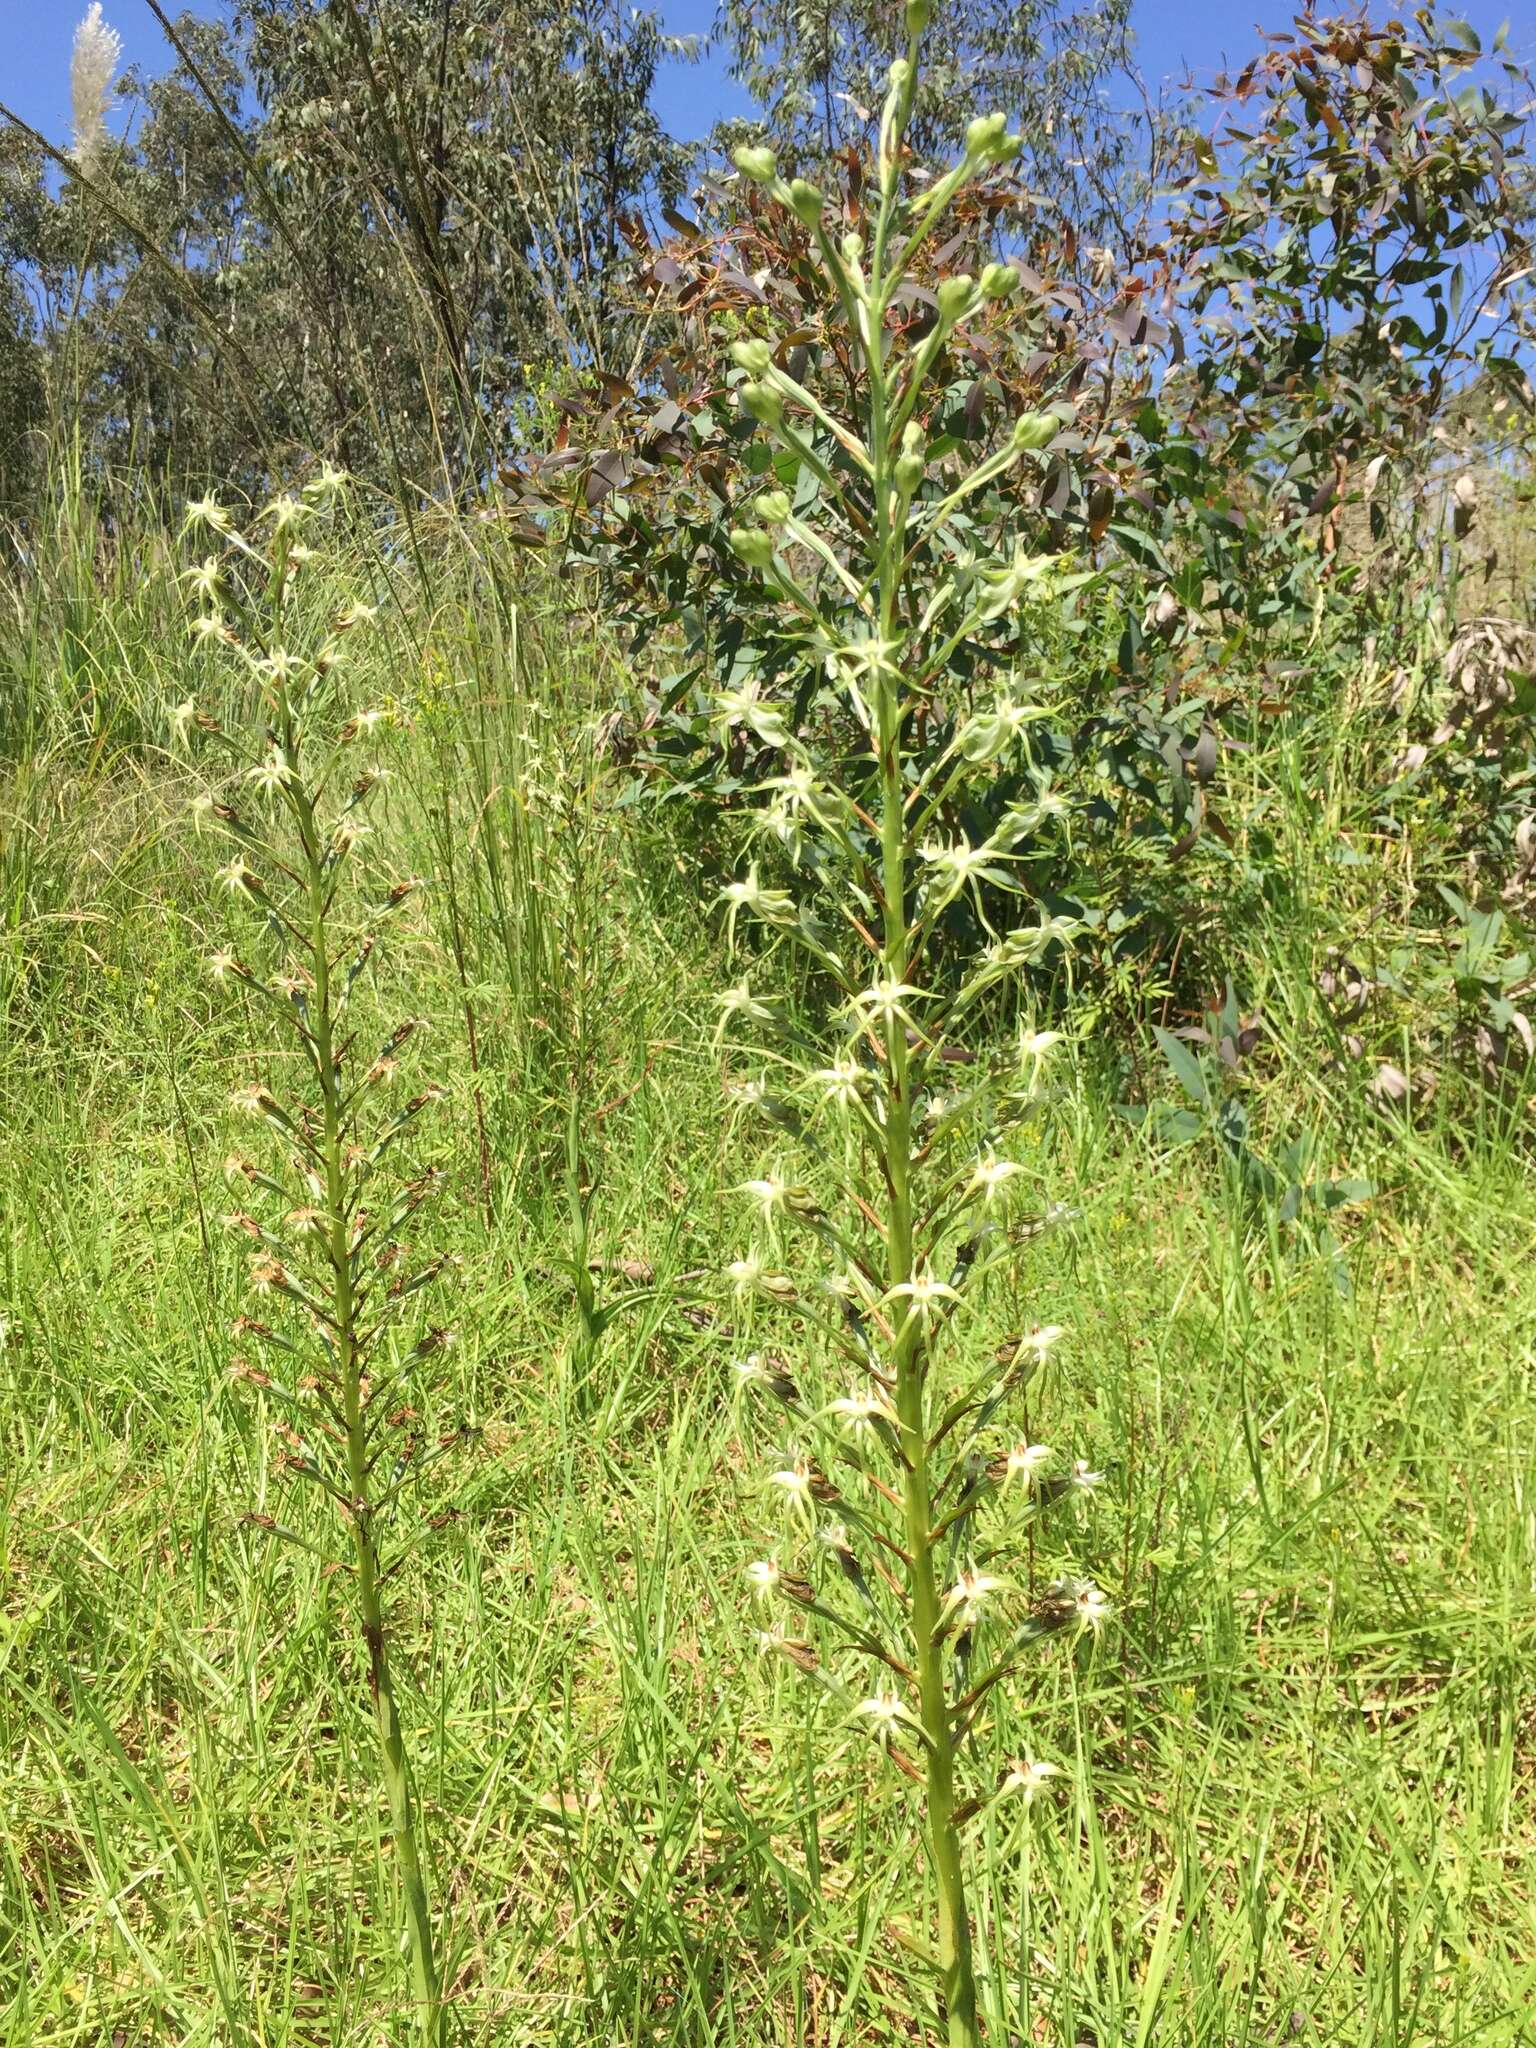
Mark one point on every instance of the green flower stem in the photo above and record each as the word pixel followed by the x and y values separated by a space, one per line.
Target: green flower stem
pixel 361 1509
pixel 910 1343
pixel 985 473
pixel 782 381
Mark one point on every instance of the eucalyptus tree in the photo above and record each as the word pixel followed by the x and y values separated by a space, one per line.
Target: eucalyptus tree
pixel 1060 70
pixel 466 176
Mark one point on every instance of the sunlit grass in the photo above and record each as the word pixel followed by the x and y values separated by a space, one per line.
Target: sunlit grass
pixel 1296 1790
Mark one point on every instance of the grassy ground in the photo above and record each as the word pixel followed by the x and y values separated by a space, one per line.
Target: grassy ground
pixel 1296 1790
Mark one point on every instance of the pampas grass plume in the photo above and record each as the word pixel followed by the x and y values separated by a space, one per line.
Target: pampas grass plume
pixel 91 66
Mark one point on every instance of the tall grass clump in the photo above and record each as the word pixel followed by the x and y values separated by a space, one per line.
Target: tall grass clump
pixel 327 1251
pixel 913 592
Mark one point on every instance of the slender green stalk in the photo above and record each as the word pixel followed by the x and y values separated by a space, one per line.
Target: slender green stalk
pixel 350 1352
pixel 329 1252
pixel 909 1358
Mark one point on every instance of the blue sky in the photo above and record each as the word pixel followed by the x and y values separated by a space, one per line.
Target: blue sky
pixel 35 37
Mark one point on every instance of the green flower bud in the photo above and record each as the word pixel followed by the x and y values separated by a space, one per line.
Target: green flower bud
pixel 919 14
pixel 898 75
pixel 1035 430
pixel 752 356
pixel 853 250
pixel 911 462
pixel 983 137
pixel 805 201
pixel 761 165
pixel 763 403
pixel 998 280
pixel 772 508
pixel 752 546
pixel 954 296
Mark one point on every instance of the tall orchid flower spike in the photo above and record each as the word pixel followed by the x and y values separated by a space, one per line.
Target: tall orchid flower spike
pixel 339 1284
pixel 916 631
